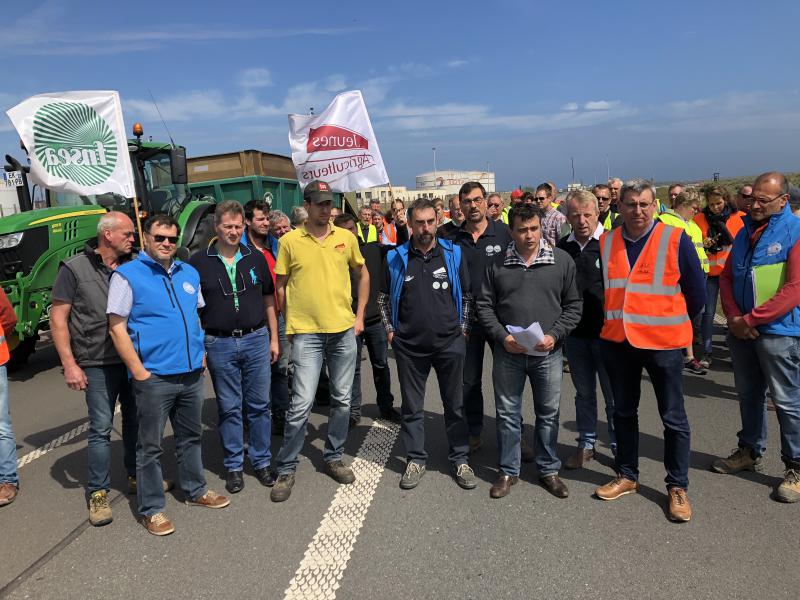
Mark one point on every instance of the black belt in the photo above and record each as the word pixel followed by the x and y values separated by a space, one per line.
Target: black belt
pixel 237 333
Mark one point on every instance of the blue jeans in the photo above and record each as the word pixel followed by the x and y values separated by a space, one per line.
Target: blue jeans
pixel 8 445
pixel 375 338
pixel 586 367
pixel 770 362
pixel 508 375
pixel 105 385
pixel 240 372
pixel 279 386
pixel 624 364
pixel 308 351
pixel 179 397
pixel 707 328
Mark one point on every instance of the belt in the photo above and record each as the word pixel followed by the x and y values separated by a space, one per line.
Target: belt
pixel 237 333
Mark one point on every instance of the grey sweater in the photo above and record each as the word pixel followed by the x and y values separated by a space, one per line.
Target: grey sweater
pixel 513 294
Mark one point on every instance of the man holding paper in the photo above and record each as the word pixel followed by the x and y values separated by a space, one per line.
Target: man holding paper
pixel 760 288
pixel 533 293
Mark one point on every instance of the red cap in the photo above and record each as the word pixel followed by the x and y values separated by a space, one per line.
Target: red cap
pixel 516 194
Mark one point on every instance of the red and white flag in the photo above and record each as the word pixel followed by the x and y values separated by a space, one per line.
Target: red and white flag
pixel 337 146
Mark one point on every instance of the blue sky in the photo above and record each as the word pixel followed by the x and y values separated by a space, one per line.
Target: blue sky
pixel 674 90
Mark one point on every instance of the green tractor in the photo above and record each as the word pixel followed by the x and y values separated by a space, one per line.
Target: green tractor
pixel 53 226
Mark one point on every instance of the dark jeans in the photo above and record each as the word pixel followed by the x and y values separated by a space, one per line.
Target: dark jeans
pixel 413 373
pixel 473 383
pixel 179 397
pixel 240 371
pixel 279 385
pixel 624 364
pixel 105 385
pixel 586 367
pixel 374 337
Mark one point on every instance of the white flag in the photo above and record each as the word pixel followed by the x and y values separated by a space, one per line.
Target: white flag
pixel 76 142
pixel 337 146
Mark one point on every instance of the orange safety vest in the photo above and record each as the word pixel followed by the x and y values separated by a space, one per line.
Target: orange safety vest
pixel 5 355
pixel 644 304
pixel 390 231
pixel 716 260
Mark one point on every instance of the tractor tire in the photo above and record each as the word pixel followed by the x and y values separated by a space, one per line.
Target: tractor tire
pixel 202 234
pixel 22 352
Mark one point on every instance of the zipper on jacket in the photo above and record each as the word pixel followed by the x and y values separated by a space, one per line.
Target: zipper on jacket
pixel 183 318
pixel 169 295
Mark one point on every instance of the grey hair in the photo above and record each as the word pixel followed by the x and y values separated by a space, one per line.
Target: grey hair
pixel 276 216
pixel 107 221
pixel 581 198
pixel 299 216
pixel 636 186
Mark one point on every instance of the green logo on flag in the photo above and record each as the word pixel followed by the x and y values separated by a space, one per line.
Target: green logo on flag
pixel 73 142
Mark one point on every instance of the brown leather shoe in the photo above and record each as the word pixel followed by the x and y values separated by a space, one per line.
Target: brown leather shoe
pixel 619 486
pixel 554 485
pixel 210 499
pixel 502 486
pixel 581 456
pixel 158 524
pixel 8 493
pixel 680 510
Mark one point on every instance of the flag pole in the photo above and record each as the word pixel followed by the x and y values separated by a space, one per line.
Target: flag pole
pixel 138 220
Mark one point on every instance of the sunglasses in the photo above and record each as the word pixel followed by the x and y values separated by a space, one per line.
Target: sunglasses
pixel 160 239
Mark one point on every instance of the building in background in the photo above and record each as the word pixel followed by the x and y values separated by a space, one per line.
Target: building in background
pixel 439 184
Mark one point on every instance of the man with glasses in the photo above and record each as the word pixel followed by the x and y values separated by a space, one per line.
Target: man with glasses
pixel 554 223
pixel 744 198
pixel 88 357
pixel 494 207
pixel 241 340
pixel 760 289
pixel 482 242
pixel 153 322
pixel 653 286
pixel 313 273
pixel 606 217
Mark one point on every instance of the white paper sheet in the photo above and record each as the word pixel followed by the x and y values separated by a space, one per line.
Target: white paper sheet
pixel 528 337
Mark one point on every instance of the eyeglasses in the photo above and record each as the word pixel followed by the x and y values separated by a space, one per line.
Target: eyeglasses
pixel 233 290
pixel 477 200
pixel 635 205
pixel 762 201
pixel 160 239
pixel 541 198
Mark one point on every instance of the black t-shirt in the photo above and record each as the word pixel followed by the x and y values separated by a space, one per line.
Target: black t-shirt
pixel 490 247
pixel 253 283
pixel 427 319
pixel 589 278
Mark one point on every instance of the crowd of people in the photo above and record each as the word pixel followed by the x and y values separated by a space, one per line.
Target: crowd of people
pixel 279 307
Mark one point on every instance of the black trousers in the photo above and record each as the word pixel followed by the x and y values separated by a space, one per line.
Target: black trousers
pixel 413 374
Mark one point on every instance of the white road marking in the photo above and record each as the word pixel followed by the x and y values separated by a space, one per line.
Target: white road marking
pixel 53 444
pixel 326 557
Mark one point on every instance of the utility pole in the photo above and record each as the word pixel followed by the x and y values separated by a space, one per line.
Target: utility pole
pixel 434 166
pixel 608 169
pixel 572 160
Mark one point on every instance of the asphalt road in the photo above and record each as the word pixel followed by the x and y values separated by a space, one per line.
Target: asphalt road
pixel 437 541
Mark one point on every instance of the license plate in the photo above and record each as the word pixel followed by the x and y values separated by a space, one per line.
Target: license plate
pixel 12 178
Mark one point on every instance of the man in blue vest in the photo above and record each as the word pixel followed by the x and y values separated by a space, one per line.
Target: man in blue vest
pixel 760 290
pixel 426 309
pixel 153 322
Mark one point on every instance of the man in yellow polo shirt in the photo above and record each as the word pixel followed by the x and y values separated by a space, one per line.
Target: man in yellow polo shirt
pixel 313 288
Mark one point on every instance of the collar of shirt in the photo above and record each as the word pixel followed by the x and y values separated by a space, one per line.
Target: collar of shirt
pixel 598 231
pixel 412 249
pixel 171 264
pixel 545 256
pixel 630 239
pixel 488 232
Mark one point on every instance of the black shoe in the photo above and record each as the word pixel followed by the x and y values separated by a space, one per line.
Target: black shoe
pixel 390 414
pixel 234 482
pixel 265 476
pixel 354 421
pixel 278 423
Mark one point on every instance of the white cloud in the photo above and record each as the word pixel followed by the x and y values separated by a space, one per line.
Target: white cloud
pixel 601 104
pixel 570 106
pixel 455 64
pixel 336 83
pixel 256 77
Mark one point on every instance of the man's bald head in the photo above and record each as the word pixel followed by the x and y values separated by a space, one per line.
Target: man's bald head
pixel 775 177
pixel 115 233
